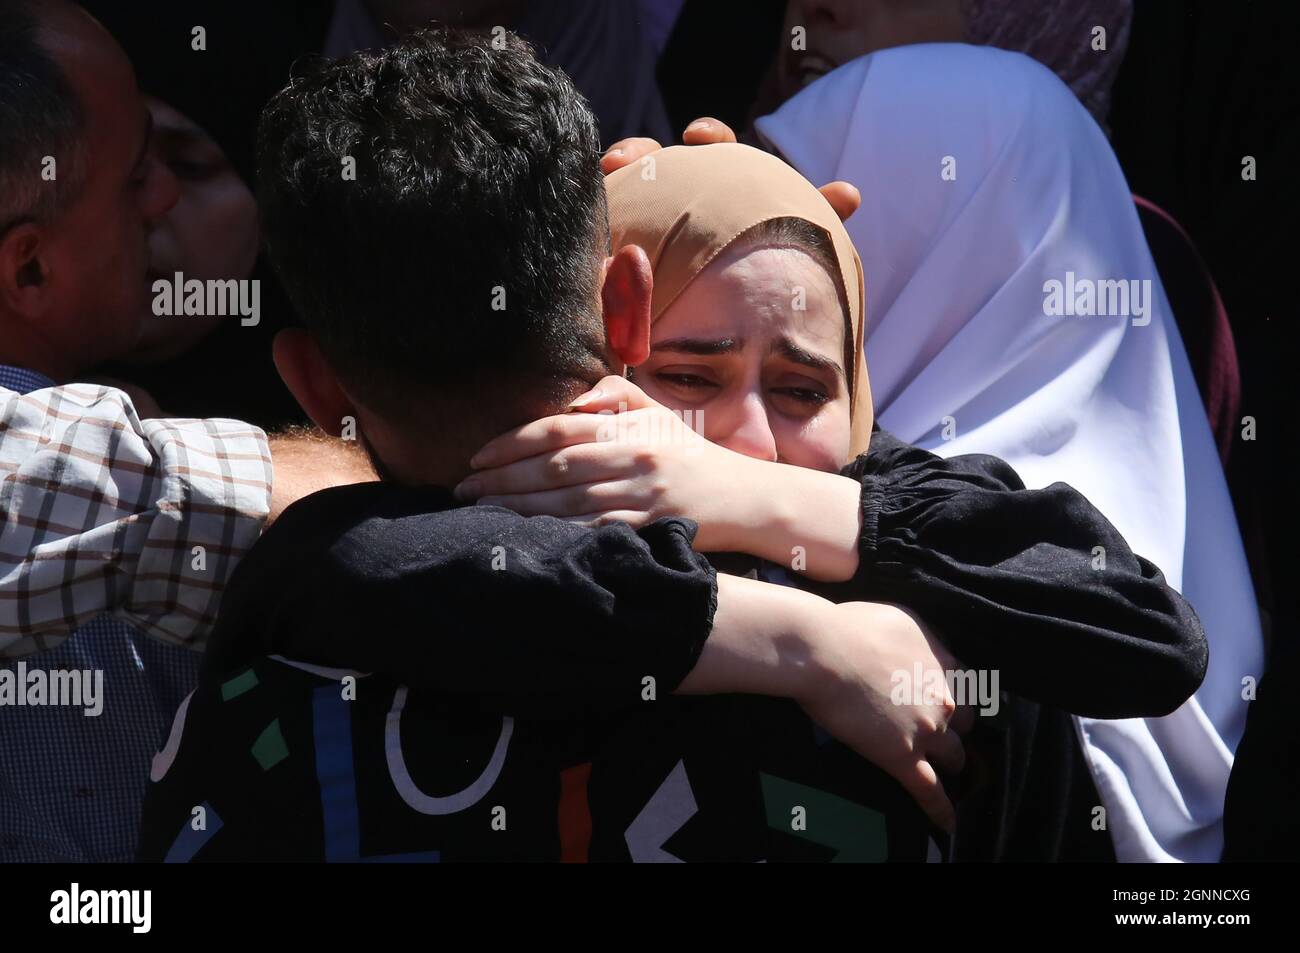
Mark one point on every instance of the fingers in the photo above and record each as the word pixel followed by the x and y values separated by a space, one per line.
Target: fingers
pixel 581 500
pixel 922 783
pixel 615 394
pixel 611 395
pixel 947 753
pixel 570 466
pixel 540 436
pixel 706 130
pixel 843 197
pixel 592 520
pixel 701 132
pixel 963 719
pixel 625 152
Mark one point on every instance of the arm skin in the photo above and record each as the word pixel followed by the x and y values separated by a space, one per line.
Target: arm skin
pixel 838 662
pixel 787 510
pixel 306 460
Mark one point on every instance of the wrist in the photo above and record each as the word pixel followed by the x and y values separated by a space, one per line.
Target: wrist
pixel 757 506
pixel 766 640
pixel 816 524
pixel 807 521
pixel 811 650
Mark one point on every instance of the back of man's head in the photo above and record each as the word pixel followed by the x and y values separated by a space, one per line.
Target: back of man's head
pixel 438 216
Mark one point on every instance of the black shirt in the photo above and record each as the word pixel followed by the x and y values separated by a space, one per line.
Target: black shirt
pixel 488 616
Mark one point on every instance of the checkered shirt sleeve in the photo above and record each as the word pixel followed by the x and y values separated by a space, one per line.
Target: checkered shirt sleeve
pixel 101 511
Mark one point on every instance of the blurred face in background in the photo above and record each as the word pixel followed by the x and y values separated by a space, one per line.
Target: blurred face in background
pixel 838 31
pixel 211 233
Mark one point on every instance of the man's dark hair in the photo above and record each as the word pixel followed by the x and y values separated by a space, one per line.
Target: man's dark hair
pixel 406 193
pixel 39 116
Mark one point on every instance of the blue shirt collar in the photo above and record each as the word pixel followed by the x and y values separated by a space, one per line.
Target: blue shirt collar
pixel 22 380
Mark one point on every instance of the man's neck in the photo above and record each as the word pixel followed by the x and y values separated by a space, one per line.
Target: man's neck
pixel 424 471
pixel 398 456
pixel 431 464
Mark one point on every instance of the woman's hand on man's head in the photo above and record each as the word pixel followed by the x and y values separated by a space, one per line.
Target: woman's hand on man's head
pixel 617 455
pixel 842 196
pixel 620 455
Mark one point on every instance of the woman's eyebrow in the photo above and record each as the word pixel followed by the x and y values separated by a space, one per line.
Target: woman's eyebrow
pixel 701 346
pixel 793 352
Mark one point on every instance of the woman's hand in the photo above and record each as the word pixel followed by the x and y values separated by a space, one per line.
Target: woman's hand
pixel 843 665
pixel 858 698
pixel 619 455
pixel 842 196
pixel 622 456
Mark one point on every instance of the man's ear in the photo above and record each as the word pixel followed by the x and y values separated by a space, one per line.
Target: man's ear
pixel 24 284
pixel 625 301
pixel 311 380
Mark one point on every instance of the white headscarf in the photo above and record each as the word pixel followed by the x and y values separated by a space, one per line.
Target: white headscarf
pixel 959 339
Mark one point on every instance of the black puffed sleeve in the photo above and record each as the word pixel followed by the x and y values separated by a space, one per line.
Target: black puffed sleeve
pixel 522 615
pixel 1034 583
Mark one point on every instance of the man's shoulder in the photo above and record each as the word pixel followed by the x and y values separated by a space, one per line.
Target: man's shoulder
pixel 376 510
pixel 343 522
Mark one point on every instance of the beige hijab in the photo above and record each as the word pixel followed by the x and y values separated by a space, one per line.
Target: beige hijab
pixel 684 205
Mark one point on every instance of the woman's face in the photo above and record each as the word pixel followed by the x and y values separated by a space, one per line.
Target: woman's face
pixel 211 232
pixel 755 347
pixel 837 31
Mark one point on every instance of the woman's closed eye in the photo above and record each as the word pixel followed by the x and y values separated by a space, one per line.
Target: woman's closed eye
pixel 697 385
pixel 792 386
pixel 805 395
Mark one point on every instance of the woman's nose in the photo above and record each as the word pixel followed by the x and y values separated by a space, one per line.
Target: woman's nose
pixel 749 431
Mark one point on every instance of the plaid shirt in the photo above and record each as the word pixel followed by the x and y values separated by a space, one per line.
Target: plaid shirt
pixel 101 514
